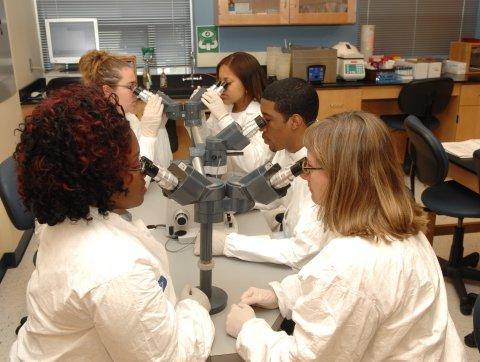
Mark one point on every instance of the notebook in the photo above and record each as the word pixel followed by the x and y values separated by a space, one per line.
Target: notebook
pixel 462 149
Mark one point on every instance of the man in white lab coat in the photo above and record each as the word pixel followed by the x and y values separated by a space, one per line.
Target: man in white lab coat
pixel 289 106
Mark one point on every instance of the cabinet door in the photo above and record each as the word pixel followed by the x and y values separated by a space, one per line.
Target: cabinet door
pixel 470 95
pixel 333 101
pixel 323 11
pixel 468 126
pixel 252 12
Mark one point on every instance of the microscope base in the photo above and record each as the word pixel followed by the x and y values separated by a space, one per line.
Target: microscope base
pixel 218 300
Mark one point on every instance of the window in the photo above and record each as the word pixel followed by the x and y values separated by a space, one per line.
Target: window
pixel 414 28
pixel 125 26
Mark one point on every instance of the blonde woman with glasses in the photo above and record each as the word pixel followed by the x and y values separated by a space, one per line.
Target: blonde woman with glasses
pixel 115 76
pixel 375 292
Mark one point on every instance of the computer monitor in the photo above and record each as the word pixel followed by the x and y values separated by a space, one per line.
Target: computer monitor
pixel 69 39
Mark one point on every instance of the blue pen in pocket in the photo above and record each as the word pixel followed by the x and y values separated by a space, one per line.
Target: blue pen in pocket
pixel 162 282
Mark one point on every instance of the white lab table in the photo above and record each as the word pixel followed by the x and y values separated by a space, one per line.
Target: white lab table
pixel 232 275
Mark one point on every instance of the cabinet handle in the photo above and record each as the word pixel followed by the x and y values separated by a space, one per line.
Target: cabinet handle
pixel 337 105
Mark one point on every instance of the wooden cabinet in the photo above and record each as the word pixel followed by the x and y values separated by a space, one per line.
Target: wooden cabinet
pixel 252 12
pixel 322 12
pixel 332 101
pixel 468 125
pixel 284 12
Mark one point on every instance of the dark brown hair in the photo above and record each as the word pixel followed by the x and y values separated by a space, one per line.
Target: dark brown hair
pixel 247 68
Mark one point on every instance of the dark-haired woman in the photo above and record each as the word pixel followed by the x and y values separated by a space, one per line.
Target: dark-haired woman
pixel 101 289
pixel 245 80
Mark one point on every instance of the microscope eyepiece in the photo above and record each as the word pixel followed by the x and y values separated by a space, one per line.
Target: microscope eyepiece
pixel 260 121
pixel 137 90
pixel 297 167
pixel 148 167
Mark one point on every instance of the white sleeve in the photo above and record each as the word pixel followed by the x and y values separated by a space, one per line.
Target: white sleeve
pixel 288 251
pixel 288 291
pixel 254 155
pixel 215 125
pixel 333 322
pixel 136 322
pixel 147 144
pixel 162 150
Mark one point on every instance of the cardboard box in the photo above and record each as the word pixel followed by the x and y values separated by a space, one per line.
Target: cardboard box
pixel 454 67
pixel 420 68
pixel 302 57
pixel 434 69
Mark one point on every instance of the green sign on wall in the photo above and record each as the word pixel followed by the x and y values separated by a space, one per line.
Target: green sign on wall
pixel 207 39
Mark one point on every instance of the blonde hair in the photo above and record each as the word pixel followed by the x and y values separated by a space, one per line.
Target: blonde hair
pixel 100 67
pixel 366 194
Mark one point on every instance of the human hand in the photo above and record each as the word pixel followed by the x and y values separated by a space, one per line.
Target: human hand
pixel 238 315
pixel 265 298
pixel 189 292
pixel 153 117
pixel 214 103
pixel 195 91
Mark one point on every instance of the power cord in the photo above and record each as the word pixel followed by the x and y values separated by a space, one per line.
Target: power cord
pixel 171 239
pixel 185 244
pixel 154 226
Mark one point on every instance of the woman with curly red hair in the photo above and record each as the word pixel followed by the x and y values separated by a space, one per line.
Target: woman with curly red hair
pixel 101 288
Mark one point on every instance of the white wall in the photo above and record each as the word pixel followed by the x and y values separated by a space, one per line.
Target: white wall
pixel 22 27
pixel 24 45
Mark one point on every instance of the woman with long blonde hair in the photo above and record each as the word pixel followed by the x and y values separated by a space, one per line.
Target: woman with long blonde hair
pixel 375 292
pixel 114 75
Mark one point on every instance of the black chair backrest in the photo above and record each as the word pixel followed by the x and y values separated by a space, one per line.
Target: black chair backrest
pixel 425 97
pixel 429 159
pixel 476 322
pixel 476 159
pixel 16 210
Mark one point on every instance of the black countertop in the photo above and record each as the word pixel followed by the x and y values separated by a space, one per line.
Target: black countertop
pixel 457 78
pixel 179 88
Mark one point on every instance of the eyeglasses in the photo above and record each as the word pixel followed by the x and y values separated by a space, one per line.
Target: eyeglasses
pixel 307 169
pixel 131 87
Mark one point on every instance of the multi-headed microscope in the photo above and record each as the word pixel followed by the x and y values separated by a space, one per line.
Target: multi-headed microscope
pixel 197 181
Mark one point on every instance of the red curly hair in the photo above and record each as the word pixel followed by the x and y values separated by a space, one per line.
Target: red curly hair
pixel 72 154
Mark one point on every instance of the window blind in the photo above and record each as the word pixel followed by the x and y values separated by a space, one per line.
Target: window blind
pixel 125 26
pixel 415 28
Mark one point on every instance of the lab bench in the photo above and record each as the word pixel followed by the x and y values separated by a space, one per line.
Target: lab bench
pixel 232 275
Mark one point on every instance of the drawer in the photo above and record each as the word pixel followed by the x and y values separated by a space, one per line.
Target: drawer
pixel 470 95
pixel 334 101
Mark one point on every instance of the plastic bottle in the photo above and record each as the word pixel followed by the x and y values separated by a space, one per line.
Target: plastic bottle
pixel 163 79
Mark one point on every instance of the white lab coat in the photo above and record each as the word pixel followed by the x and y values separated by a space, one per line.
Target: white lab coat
pixel 361 301
pixel 304 233
pixel 255 154
pixel 157 148
pixel 102 291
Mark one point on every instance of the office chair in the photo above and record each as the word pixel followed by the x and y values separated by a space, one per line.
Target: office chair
pixel 430 165
pixel 423 98
pixel 16 211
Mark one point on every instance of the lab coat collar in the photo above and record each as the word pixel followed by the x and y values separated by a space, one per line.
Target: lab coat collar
pixel 301 153
pixel 252 108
